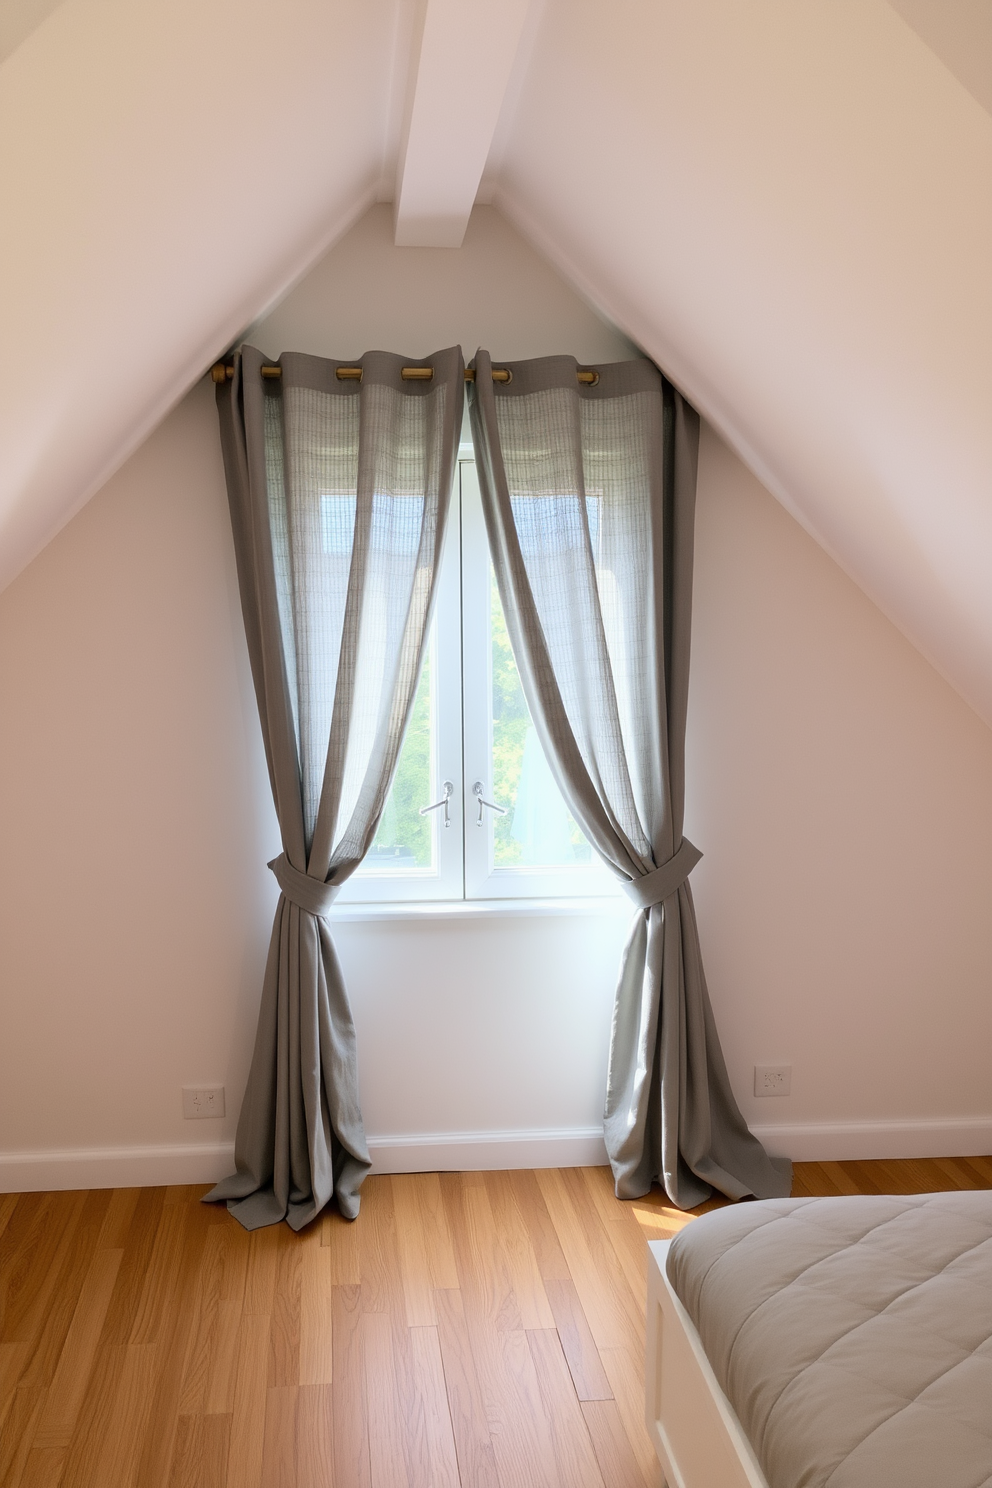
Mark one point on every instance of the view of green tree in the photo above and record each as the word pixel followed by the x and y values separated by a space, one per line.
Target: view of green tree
pixel 405 839
pixel 511 726
pixel 511 720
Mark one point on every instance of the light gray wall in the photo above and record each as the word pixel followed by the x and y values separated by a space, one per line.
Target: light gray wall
pixel 841 791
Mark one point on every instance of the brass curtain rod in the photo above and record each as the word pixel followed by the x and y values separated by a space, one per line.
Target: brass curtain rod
pixel 220 372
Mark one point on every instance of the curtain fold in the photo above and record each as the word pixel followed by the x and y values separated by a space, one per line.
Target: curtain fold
pixel 339 493
pixel 589 497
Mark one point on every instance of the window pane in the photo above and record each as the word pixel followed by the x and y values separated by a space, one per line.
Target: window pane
pixel 405 839
pixel 538 830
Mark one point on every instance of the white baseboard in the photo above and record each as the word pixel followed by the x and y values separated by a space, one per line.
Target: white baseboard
pixel 149 1167
pixel 114 1167
pixel 485 1151
pixel 843 1141
pixel 432 1152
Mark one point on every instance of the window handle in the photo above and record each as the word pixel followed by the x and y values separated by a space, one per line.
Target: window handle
pixel 478 790
pixel 447 790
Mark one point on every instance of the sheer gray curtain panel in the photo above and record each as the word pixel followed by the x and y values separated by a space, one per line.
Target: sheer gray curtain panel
pixel 589 496
pixel 339 493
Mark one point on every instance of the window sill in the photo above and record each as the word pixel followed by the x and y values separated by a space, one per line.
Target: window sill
pixel 483 909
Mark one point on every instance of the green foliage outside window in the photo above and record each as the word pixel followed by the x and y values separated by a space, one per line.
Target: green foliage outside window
pixel 511 720
pixel 405 838
pixel 559 841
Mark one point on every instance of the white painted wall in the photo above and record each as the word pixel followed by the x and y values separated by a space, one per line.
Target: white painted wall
pixel 788 206
pixel 841 791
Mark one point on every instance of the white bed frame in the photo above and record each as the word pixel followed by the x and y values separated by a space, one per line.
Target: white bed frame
pixel 690 1421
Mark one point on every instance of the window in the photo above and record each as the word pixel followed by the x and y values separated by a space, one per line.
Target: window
pixel 474 812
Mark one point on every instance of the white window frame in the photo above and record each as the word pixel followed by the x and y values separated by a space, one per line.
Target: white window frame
pixel 461 657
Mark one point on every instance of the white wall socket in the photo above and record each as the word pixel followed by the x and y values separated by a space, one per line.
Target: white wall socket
pixel 772 1079
pixel 202 1100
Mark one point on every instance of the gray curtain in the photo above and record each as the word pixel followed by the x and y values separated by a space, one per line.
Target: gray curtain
pixel 589 495
pixel 339 491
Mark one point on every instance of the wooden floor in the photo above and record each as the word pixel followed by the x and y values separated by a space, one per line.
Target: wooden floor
pixel 479 1329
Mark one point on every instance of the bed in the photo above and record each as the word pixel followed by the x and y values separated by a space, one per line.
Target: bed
pixel 801 1343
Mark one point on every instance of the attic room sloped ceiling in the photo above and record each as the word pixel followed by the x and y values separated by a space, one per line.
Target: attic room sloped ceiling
pixel 788 206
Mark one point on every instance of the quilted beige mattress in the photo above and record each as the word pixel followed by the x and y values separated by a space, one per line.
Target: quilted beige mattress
pixel 853 1336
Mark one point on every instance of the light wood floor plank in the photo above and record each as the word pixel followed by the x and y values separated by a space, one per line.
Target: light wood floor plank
pixel 279 1466
pixel 548 1254
pixel 175 1329
pixel 96 1418
pixel 614 1453
pixel 983 1166
pixel 237 1248
pixel 840 1177
pixel 70 1266
pixel 35 1271
pixel 573 1448
pixel 187 1458
pixel 607 1301
pixel 352 1466
pixel 964 1170
pixel 26 1246
pixel 625 1227
pixel 523 1441
pixel 18 1433
pixel 118 1451
pixel 466 1405
pixel 378 1249
pixel 216 1450
pixel 504 1369
pixel 807 1181
pixel 223 1359
pixel 864 1178
pixel 138 1244
pixel 203 1334
pixel 413 1243
pixel 427 1261
pixel 389 1430
pixel 8 1203
pixel 625 1372
pixel 244 1463
pixel 441 1462
pixel 43 1467
pixel 488 1279
pixel 315 1437
pixel 118 1217
pixel 341 1238
pixel 513 1238
pixel 65 1394
pixel 284 1338
pixel 12 1360
pixel 577 1343
pixel 316 1333
pixel 260 1277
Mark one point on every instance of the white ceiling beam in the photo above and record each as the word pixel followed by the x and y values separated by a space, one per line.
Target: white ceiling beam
pixel 462 70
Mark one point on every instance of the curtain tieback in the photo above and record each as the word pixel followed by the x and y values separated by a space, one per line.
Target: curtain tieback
pixel 302 890
pixel 655 887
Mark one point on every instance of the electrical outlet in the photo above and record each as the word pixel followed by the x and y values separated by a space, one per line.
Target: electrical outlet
pixel 772 1079
pixel 200 1101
